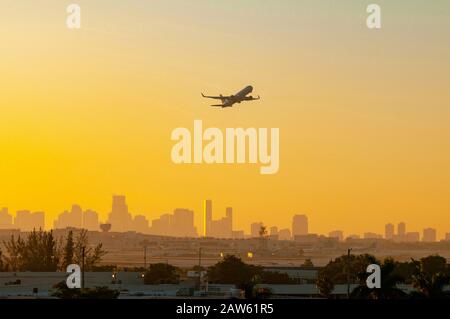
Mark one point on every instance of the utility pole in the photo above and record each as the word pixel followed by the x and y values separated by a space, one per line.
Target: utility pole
pixel 145 257
pixel 348 272
pixel 82 267
pixel 199 267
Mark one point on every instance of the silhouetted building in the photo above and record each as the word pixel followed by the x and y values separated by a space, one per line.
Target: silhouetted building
pixel 6 220
pixel 238 234
pixel 27 221
pixel 370 235
pixel 299 225
pixel 178 224
pixel 207 217
pixel 72 218
pixel 140 224
pixel 255 228
pixel 90 220
pixel 429 235
pixel 412 237
pixel 389 231
pixel 119 218
pixel 447 236
pixel 161 226
pixel 284 234
pixel 339 234
pixel 182 223
pixel 401 230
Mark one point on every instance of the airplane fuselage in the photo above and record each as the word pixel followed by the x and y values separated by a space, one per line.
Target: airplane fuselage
pixel 238 97
pixel 230 100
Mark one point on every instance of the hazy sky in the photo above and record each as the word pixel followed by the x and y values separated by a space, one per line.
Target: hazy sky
pixel 363 114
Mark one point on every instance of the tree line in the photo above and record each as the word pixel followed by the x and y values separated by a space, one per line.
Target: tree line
pixel 40 251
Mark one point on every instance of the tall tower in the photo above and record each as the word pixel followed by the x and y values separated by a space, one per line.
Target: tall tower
pixel 389 231
pixel 207 217
pixel 299 225
pixel 401 229
pixel 119 218
pixel 229 219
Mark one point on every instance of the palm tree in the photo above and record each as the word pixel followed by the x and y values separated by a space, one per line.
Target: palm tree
pixel 429 285
pixel 389 281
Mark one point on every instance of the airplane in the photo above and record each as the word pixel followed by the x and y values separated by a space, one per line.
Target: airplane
pixel 228 101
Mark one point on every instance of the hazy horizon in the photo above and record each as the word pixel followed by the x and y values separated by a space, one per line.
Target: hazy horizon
pixel 363 114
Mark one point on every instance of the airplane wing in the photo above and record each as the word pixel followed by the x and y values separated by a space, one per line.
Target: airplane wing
pixel 251 98
pixel 221 97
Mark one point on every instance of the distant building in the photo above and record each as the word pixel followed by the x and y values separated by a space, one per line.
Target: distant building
pixel 161 226
pixel 140 224
pixel 255 229
pixel 182 223
pixel 90 220
pixel 354 236
pixel 273 230
pixel 221 228
pixel 27 221
pixel 447 236
pixel 6 220
pixel 207 217
pixel 72 218
pixel 429 235
pixel 284 234
pixel 120 218
pixel 389 231
pixel 299 225
pixel 178 224
pixel 370 235
pixel 412 237
pixel 339 234
pixel 401 230
pixel 238 234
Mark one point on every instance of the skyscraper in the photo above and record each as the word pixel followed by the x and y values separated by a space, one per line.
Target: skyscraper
pixel 389 231
pixel 5 219
pixel 401 230
pixel 429 235
pixel 119 218
pixel 72 218
pixel 299 225
pixel 207 217
pixel 27 221
pixel 90 220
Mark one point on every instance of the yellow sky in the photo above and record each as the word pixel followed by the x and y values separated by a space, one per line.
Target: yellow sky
pixel 363 114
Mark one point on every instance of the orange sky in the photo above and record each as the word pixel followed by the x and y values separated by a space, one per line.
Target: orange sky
pixel 363 114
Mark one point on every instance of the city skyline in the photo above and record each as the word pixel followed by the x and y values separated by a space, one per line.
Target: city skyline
pixel 181 223
pixel 362 114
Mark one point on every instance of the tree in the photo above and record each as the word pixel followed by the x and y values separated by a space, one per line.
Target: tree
pixel 103 292
pixel 263 231
pixel 38 252
pixel 335 272
pixel 308 263
pixel 232 270
pixel 389 281
pixel 92 255
pixel 430 278
pixel 68 250
pixel 162 274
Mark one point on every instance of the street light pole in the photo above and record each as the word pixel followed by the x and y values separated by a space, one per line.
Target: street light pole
pixel 82 267
pixel 348 272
